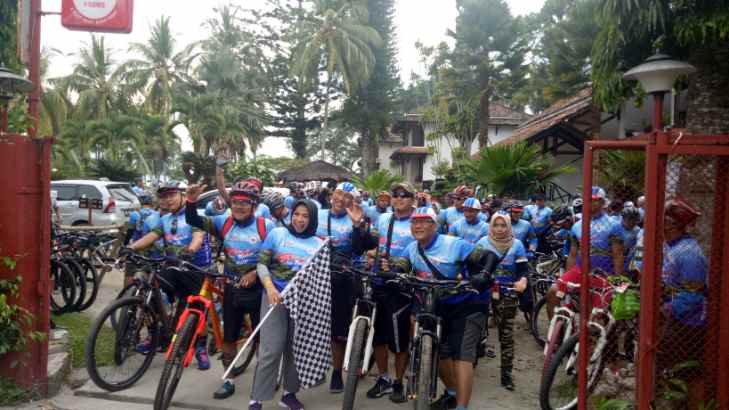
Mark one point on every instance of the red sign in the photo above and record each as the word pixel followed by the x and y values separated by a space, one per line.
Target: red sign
pixel 111 16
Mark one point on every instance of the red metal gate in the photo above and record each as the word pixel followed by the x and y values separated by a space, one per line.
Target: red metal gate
pixel 24 236
pixel 679 366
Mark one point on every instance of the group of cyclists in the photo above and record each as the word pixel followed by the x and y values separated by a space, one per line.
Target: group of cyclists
pixel 266 239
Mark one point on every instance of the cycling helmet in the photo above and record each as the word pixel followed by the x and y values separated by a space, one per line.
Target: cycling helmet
pixel 348 188
pixel 244 194
pixel 631 214
pixel 171 186
pixel 472 203
pixel 425 213
pixel 273 200
pixel 561 215
pixel 463 191
pixel 681 212
pixel 515 206
pixel 577 202
pixel 146 199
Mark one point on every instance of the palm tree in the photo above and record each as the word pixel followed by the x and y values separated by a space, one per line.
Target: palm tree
pixel 202 117
pixel 622 173
pixel 116 138
pixel 376 182
pixel 95 80
pixel 342 39
pixel 160 68
pixel 517 169
pixel 160 144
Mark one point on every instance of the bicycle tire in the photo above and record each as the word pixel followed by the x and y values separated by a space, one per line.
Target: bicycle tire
pixel 425 374
pixel 128 291
pixel 168 380
pixel 247 358
pixel 93 278
pixel 536 333
pixel 79 281
pixel 62 279
pixel 553 344
pixel 354 365
pixel 90 352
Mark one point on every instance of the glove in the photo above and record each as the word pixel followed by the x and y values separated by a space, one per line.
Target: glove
pixel 482 282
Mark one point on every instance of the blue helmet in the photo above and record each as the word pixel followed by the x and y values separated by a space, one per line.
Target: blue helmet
pixel 472 203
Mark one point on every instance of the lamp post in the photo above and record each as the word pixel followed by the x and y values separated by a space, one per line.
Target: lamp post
pixel 657 75
pixel 10 85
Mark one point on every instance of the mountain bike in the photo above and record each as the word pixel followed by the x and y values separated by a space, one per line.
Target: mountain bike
pixel 546 270
pixel 126 335
pixel 199 310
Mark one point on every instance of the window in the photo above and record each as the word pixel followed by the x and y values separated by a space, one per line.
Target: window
pixel 121 193
pixel 65 192
pixel 88 191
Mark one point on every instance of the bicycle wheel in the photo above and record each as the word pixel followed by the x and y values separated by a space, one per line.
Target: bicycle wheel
pixel 79 282
pixel 174 366
pixel 63 292
pixel 559 387
pixel 540 322
pixel 116 358
pixel 555 340
pixel 425 374
pixel 92 281
pixel 128 291
pixel 355 365
pixel 245 360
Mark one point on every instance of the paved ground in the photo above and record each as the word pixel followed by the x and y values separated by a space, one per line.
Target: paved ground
pixel 196 387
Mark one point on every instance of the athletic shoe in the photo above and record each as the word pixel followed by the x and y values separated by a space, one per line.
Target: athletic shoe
pixel 255 406
pixel 381 388
pixel 336 385
pixel 398 393
pixel 145 347
pixel 290 402
pixel 203 361
pixel 445 402
pixel 226 390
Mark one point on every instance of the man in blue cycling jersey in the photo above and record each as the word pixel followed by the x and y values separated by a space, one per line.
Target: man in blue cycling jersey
pixel 381 206
pixel 140 223
pixel 454 213
pixel 471 228
pixel 436 256
pixel 523 230
pixel 538 214
pixel 241 234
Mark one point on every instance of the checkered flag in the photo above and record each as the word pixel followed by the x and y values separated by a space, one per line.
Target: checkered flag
pixel 309 298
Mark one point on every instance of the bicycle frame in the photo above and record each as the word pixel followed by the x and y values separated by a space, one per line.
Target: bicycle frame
pixel 426 323
pixel 370 321
pixel 202 306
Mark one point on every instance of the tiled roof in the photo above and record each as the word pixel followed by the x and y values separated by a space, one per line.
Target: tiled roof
pixel 500 114
pixel 404 151
pixel 558 112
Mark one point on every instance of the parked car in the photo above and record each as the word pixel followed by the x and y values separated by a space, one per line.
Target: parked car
pixel 117 201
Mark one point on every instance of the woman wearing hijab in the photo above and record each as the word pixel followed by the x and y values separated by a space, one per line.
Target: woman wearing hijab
pixel 512 269
pixel 284 252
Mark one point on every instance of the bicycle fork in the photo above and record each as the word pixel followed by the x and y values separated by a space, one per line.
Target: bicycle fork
pixel 201 323
pixel 561 313
pixel 370 321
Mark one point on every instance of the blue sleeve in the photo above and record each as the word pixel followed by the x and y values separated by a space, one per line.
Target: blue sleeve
pixel 453 230
pixel 263 211
pixel 133 219
pixel 209 211
pixel 532 235
pixel 219 222
pixel 270 242
pixel 463 249
pixel 520 254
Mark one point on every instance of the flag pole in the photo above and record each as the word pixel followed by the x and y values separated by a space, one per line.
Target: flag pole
pixel 252 336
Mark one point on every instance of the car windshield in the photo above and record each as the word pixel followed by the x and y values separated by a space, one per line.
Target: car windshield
pixel 121 193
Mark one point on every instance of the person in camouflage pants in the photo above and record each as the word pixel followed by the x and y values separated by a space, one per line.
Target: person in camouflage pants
pixel 511 281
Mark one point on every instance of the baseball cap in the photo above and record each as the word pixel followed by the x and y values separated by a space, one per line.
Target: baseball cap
pixel 425 213
pixel 472 203
pixel 598 193
pixel 384 193
pixel 402 186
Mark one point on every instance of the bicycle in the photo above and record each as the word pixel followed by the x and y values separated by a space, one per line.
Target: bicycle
pixel 64 251
pixel 359 350
pixel 115 353
pixel 547 268
pixel 423 366
pixel 199 310
pixel 559 384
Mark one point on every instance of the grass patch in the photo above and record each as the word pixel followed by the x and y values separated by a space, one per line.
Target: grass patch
pixel 79 327
pixel 11 393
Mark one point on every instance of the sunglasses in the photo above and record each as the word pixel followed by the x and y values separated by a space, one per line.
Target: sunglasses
pixel 241 202
pixel 402 194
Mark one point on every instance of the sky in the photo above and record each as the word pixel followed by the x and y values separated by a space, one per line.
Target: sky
pixel 415 20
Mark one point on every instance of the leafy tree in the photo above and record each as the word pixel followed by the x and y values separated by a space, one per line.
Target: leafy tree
pixel 8 33
pixel 338 35
pixel 696 29
pixel 377 181
pixel 254 168
pixel 487 60
pixel 340 144
pixel 160 68
pixel 517 170
pixel 369 109
pixel 113 170
pixel 622 173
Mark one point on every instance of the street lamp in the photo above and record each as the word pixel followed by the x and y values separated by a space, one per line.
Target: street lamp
pixel 657 75
pixel 10 85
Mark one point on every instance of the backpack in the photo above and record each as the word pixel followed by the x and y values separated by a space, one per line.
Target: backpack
pixel 228 225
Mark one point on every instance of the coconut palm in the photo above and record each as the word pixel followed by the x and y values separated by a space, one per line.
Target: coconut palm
pixel 160 67
pixel 96 80
pixel 376 182
pixel 516 169
pixel 342 39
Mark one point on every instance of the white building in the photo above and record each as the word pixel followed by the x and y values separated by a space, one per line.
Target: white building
pixel 408 151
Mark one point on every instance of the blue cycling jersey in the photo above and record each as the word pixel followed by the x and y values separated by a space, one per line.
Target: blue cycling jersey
pixel 448 254
pixel 241 244
pixel 524 231
pixel 539 217
pixel 604 232
pixel 401 234
pixel 685 275
pixel 158 248
pixel 136 222
pixel 374 213
pixel 261 210
pixel 285 254
pixel 506 271
pixel 177 235
pixel 470 232
pixel 449 216
pixel 338 228
pixel 630 239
